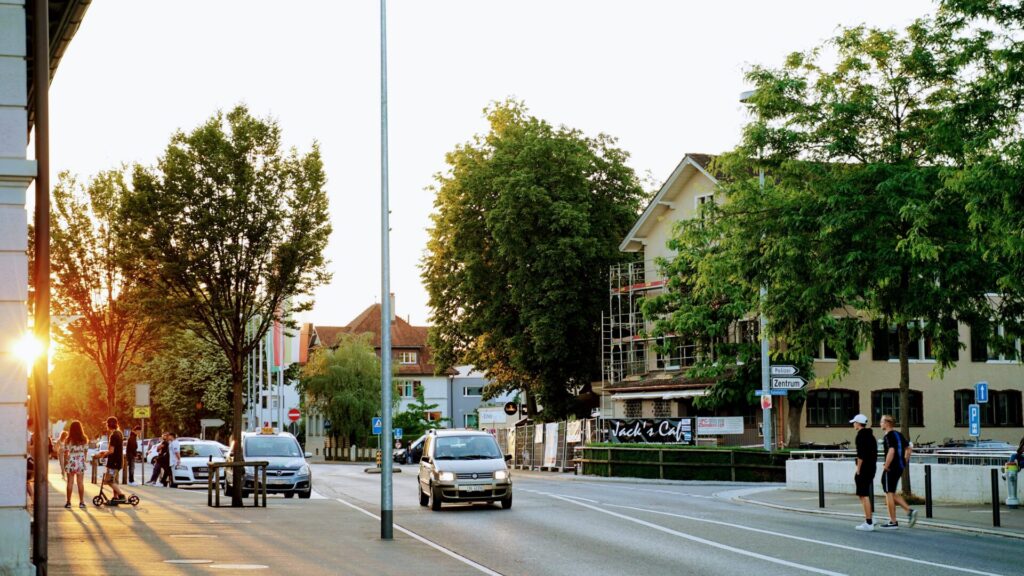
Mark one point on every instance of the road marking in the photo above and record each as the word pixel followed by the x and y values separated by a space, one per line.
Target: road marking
pixel 809 540
pixel 699 540
pixel 239 566
pixel 187 561
pixel 434 545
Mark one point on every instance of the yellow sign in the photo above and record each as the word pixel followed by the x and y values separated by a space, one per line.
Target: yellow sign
pixel 141 412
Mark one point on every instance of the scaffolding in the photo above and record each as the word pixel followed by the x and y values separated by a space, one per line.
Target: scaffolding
pixel 625 334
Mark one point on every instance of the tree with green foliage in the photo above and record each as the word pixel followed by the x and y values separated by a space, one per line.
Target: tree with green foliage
pixel 527 220
pixel 229 228
pixel 343 385
pixel 77 391
pixel 91 284
pixel 190 379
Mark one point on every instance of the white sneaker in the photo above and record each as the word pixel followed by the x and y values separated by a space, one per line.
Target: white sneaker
pixel 865 527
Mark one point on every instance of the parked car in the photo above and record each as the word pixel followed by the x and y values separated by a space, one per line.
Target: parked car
pixel 196 456
pixel 288 473
pixel 413 453
pixel 463 466
pixel 101 446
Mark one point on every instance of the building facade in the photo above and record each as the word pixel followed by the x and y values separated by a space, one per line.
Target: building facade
pixel 640 380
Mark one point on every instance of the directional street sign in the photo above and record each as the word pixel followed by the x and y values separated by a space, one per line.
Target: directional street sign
pixel 784 370
pixel 981 392
pixel 788 383
pixel 974 419
pixel 398 433
pixel 776 392
pixel 376 425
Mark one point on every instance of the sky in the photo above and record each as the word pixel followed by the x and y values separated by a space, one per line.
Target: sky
pixel 661 76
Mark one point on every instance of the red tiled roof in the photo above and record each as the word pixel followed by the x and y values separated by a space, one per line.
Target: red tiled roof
pixel 404 336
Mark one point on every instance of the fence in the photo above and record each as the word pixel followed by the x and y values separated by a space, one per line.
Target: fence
pixel 550 446
pixel 638 461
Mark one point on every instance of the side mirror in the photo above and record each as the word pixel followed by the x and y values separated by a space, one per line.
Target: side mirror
pixel 307 455
pixel 508 457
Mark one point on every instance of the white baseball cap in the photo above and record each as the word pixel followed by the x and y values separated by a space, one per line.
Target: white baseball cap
pixel 859 419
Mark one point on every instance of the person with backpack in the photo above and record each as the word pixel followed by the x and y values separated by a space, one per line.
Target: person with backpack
pixel 897 451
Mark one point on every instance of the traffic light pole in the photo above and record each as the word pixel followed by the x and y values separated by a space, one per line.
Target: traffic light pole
pixel 386 509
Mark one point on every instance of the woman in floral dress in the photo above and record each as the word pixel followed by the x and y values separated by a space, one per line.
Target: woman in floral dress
pixel 75 451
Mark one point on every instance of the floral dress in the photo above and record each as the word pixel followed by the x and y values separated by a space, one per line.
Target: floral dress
pixel 76 457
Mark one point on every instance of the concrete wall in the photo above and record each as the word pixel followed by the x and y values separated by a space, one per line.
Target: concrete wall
pixel 950 483
pixel 16 172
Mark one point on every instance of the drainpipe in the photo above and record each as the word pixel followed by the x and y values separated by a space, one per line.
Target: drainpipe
pixel 41 80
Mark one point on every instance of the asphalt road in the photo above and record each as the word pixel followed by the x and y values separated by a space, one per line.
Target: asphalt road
pixel 559 526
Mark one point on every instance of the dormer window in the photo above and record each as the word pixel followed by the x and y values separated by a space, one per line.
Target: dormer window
pixel 406 357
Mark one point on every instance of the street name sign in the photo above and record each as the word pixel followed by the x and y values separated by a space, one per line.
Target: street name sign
pixel 981 392
pixel 784 370
pixel 974 419
pixel 788 383
pixel 376 425
pixel 775 392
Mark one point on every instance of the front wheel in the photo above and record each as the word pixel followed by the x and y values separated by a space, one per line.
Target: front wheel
pixel 289 494
pixel 305 495
pixel 97 500
pixel 435 498
pixel 424 498
pixel 506 502
pixel 133 500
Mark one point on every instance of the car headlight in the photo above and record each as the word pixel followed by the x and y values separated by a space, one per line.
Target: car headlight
pixel 446 476
pixel 304 470
pixel 181 467
pixel 501 475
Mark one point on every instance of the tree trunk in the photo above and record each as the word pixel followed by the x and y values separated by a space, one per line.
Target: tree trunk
pixel 903 333
pixel 531 403
pixel 238 473
pixel 796 410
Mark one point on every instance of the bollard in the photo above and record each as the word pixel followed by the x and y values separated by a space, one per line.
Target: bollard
pixel 927 490
pixel 95 465
pixel 995 497
pixel 821 484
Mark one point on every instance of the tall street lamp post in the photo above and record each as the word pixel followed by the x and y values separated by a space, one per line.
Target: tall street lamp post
pixel 386 509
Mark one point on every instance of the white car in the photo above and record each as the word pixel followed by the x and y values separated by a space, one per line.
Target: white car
pixel 196 456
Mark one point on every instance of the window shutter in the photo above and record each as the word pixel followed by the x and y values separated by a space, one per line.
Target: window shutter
pixel 879 341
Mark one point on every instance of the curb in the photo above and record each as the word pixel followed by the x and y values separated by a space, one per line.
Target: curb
pixel 570 477
pixel 928 523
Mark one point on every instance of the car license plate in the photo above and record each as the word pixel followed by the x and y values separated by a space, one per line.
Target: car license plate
pixel 473 488
pixel 202 470
pixel 278 482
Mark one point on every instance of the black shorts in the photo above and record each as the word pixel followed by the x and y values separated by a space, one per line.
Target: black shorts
pixel 863 481
pixel 890 479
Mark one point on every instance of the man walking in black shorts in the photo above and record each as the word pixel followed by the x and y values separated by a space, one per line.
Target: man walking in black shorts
pixel 897 456
pixel 867 456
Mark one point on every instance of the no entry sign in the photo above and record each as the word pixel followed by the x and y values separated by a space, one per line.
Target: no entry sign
pixel 294 414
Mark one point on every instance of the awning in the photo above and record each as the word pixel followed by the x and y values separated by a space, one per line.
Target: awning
pixel 663 395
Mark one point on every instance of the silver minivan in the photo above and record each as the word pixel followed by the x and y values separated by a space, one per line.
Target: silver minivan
pixel 463 466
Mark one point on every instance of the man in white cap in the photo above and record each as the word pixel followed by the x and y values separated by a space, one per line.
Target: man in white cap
pixel 867 458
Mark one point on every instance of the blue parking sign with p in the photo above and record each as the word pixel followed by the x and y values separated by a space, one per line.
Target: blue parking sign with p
pixel 376 425
pixel 974 419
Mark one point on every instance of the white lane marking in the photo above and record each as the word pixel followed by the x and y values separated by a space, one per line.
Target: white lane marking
pixel 703 541
pixel 434 545
pixel 584 499
pixel 809 540
pixel 317 496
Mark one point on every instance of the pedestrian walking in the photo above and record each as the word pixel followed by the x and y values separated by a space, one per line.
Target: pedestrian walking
pixel 115 460
pixel 897 457
pixel 867 458
pixel 75 452
pixel 173 457
pixel 130 452
pixel 62 460
pixel 161 451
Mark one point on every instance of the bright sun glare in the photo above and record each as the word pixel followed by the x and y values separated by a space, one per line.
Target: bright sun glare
pixel 27 348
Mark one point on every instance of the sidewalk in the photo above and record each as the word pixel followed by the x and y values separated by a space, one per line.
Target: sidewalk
pixel 975 518
pixel 172 531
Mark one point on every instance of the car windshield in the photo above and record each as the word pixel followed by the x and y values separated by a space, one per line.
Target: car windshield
pixel 466 448
pixel 262 446
pixel 200 451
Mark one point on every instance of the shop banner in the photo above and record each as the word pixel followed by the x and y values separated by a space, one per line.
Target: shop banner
pixel 574 431
pixel 551 445
pixel 650 430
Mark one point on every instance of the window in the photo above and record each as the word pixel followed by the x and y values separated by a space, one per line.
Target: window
pixel 472 391
pixel 433 416
pixel 703 199
pixel 888 402
pixel 1002 410
pixel 826 352
pixel 406 356
pixel 831 407
pixel 408 388
pixel 470 421
pixel 662 409
pixel 982 351
pixel 634 408
pixel 885 344
pixel 674 353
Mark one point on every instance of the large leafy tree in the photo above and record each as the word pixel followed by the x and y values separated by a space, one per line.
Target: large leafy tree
pixel 527 219
pixel 230 227
pixel 343 384
pixel 92 286
pixel 78 391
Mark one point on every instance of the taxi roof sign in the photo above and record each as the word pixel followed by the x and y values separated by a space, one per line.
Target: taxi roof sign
pixel 267 430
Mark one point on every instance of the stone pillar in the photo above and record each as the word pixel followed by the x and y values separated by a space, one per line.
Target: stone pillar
pixel 16 173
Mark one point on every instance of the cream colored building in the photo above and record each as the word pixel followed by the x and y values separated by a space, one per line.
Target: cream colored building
pixel 639 381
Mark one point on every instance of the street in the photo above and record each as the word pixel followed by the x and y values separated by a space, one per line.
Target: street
pixel 558 525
